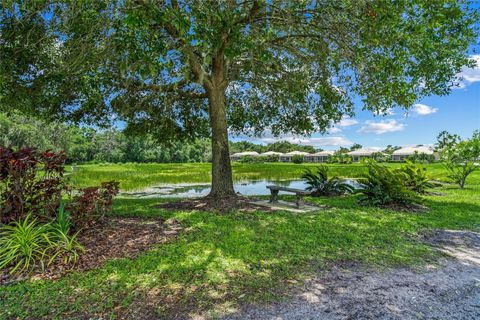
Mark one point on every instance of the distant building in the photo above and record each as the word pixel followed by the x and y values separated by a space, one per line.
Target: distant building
pixel 362 153
pixel 271 153
pixel 287 157
pixel 238 156
pixel 403 153
pixel 321 156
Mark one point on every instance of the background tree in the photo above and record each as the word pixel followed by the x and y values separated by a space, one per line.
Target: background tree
pixel 390 149
pixel 462 158
pixel 355 146
pixel 187 69
pixel 446 139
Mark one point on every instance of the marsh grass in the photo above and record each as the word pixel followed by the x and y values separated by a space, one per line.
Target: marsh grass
pixel 136 176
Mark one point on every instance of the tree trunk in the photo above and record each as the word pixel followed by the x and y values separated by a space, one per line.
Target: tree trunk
pixel 222 182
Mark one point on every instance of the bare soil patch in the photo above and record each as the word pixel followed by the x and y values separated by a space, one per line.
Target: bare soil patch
pixel 449 289
pixel 107 240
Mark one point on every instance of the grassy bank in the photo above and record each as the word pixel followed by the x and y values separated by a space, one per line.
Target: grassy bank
pixel 138 176
pixel 221 260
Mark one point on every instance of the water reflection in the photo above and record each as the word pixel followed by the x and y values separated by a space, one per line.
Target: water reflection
pixel 248 188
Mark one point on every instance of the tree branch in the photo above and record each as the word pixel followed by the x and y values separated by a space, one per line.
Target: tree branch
pixel 168 88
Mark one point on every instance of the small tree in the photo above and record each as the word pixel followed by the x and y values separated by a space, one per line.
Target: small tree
pixel 462 158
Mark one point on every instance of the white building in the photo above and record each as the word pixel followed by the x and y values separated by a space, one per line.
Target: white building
pixel 362 153
pixel 287 157
pixel 239 155
pixel 403 153
pixel 271 153
pixel 321 156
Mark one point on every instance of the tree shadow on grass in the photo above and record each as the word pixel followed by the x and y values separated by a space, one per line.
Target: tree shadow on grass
pixel 225 260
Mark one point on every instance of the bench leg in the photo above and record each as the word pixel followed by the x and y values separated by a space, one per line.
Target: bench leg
pixel 273 196
pixel 300 202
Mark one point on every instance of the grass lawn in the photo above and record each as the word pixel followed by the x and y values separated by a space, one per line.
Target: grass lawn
pixel 220 260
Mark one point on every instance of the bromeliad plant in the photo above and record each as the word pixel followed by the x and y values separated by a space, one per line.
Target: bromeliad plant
pixel 320 185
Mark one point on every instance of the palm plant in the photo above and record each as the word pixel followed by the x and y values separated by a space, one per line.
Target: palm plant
pixel 320 185
pixel 416 178
pixel 385 186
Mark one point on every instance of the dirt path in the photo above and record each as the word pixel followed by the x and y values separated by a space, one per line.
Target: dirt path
pixel 448 290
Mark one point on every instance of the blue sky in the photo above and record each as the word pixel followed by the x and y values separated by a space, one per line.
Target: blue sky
pixel 457 113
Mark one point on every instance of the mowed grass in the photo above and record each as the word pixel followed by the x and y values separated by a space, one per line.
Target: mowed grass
pixel 221 260
pixel 136 176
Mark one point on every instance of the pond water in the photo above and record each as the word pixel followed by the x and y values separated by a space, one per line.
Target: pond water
pixel 247 188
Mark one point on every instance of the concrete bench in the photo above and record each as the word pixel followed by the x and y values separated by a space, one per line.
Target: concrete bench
pixel 298 192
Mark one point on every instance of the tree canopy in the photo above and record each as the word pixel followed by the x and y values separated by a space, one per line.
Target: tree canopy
pixel 188 69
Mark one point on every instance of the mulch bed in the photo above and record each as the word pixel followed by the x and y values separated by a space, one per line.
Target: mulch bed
pixel 110 239
pixel 208 204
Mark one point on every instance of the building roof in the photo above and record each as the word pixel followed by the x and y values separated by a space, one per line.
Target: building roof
pixel 246 153
pixel 407 151
pixel 293 153
pixel 271 153
pixel 323 153
pixel 363 152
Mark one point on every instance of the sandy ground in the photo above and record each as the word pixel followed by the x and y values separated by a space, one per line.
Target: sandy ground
pixel 449 289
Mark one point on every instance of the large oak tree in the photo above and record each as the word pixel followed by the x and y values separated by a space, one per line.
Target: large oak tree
pixel 185 69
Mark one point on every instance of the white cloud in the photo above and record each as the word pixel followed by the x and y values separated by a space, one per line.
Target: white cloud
pixel 470 75
pixel 334 130
pixel 381 127
pixel 345 122
pixel 423 109
pixel 311 141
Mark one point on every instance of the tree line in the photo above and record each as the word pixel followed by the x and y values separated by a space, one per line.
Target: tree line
pixel 85 144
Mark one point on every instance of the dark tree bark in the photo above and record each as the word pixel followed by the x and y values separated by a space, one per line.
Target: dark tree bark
pixel 222 182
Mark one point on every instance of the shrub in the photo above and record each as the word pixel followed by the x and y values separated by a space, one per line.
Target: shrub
pixel 385 186
pixel 416 178
pixel 272 158
pixel 91 204
pixel 421 157
pixel 251 159
pixel 298 158
pixel 30 182
pixel 321 185
pixel 342 158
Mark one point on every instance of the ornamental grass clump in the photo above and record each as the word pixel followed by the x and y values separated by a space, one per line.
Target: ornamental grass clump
pixel 26 244
pixel 23 244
